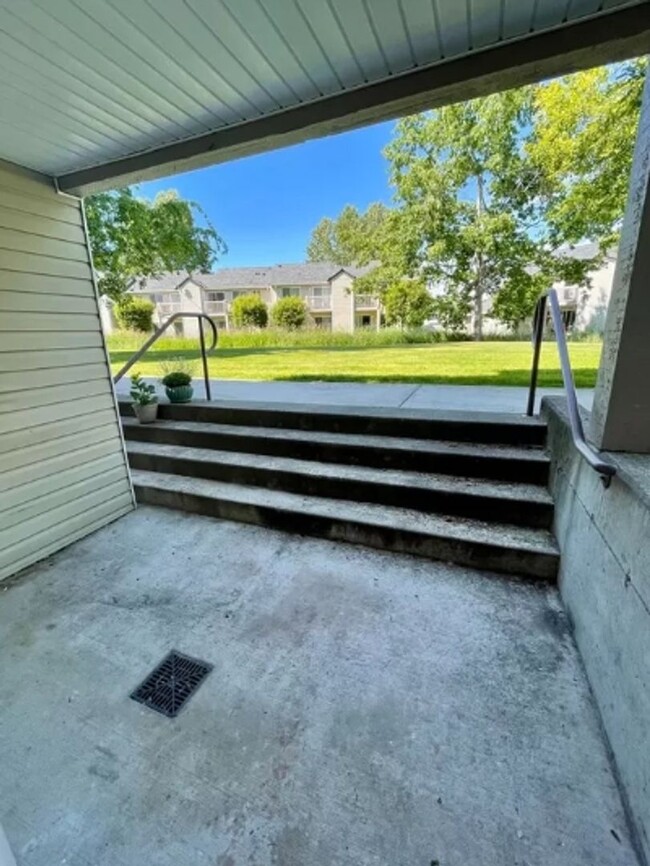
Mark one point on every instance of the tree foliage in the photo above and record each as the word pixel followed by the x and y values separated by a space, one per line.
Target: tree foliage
pixel 290 313
pixel 249 311
pixel 582 145
pixel 350 239
pixel 490 196
pixel 407 303
pixel 134 314
pixel 132 237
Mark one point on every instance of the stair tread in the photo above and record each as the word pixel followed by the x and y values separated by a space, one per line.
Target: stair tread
pixel 513 491
pixel 430 446
pixel 456 528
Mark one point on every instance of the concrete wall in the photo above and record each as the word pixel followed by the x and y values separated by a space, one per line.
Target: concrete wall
pixel 63 471
pixel 605 585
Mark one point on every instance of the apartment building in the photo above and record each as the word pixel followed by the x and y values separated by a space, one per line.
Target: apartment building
pixel 326 288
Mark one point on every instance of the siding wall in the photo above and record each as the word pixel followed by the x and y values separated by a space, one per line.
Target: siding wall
pixel 63 471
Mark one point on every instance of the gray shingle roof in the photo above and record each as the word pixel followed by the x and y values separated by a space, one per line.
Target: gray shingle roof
pixel 298 274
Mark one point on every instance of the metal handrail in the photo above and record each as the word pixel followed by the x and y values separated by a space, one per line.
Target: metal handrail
pixel 161 330
pixel 604 468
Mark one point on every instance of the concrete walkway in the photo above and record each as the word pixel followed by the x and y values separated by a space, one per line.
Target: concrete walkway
pixel 477 398
pixel 364 709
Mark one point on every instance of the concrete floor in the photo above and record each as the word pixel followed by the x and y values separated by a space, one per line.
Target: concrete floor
pixel 364 708
pixel 477 398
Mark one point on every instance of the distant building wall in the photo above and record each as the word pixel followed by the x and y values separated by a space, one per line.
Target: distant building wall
pixel 63 471
pixel 342 302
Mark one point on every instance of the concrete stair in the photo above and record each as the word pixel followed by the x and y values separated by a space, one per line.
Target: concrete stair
pixel 468 489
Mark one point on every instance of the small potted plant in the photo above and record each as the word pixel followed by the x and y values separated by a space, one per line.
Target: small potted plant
pixel 177 380
pixel 178 387
pixel 145 401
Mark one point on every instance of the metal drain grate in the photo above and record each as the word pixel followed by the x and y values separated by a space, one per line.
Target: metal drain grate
pixel 168 687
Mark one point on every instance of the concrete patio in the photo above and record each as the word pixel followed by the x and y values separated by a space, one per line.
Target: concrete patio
pixel 470 398
pixel 364 708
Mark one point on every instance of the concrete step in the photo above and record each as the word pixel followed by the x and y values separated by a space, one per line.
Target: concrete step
pixel 500 462
pixel 515 503
pixel 477 544
pixel 475 427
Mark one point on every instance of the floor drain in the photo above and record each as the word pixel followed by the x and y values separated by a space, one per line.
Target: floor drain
pixel 168 687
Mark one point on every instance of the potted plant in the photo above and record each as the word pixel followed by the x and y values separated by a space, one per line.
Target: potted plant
pixel 178 386
pixel 145 401
pixel 177 379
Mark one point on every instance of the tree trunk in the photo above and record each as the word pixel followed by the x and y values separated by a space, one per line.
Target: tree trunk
pixel 478 285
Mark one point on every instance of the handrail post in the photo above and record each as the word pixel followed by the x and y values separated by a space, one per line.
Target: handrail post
pixel 206 377
pixel 540 320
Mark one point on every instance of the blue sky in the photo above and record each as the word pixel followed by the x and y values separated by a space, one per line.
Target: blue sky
pixel 266 206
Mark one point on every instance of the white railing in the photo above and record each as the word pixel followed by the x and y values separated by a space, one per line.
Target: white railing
pixel 319 302
pixel 165 310
pixel 216 308
pixel 366 302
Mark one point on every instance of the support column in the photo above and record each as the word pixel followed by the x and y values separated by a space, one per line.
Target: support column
pixel 620 419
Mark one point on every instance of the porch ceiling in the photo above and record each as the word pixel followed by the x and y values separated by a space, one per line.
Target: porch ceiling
pixel 102 92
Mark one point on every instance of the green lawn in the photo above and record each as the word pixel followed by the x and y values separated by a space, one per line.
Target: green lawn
pixel 466 363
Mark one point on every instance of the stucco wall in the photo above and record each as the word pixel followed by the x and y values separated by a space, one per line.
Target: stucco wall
pixel 63 471
pixel 605 584
pixel 342 303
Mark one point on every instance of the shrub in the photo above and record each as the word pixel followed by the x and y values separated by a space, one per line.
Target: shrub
pixel 290 313
pixel 249 311
pixel 135 314
pixel 177 379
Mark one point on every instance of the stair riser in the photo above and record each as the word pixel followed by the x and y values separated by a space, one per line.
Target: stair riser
pixel 456 504
pixel 485 467
pixel 536 566
pixel 415 428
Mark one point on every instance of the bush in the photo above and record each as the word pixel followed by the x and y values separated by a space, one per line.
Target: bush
pixel 249 311
pixel 290 313
pixel 177 379
pixel 135 314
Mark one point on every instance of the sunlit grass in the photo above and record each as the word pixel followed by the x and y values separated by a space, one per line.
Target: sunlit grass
pixel 461 363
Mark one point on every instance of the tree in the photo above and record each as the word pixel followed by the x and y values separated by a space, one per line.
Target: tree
pixel 131 238
pixel 249 311
pixel 350 239
pixel 289 313
pixel 134 314
pixel 581 146
pixel 408 304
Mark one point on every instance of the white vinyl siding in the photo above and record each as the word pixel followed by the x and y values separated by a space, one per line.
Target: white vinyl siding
pixel 63 470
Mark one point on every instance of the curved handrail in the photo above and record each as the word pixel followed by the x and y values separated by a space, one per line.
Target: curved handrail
pixel 161 330
pixel 604 468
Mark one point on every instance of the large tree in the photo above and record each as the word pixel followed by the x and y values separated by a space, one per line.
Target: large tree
pixel 581 147
pixel 491 194
pixel 350 239
pixel 132 237
pixel 468 194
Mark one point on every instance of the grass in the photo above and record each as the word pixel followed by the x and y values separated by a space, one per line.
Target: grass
pixel 457 363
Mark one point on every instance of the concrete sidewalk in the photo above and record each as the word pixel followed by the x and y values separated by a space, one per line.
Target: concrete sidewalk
pixel 477 398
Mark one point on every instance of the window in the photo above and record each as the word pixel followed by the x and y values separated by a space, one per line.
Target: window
pixel 366 321
pixel 165 298
pixel 215 296
pixel 289 292
pixel 568 319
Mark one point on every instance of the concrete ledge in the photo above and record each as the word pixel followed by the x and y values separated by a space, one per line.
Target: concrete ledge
pixel 605 585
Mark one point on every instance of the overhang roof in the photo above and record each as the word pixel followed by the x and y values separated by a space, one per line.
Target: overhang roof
pixel 97 93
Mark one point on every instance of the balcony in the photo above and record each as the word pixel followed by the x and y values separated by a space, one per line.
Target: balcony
pixel 318 302
pixel 164 311
pixel 216 308
pixel 366 302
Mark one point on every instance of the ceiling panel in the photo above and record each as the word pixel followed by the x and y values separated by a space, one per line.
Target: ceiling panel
pixel 83 82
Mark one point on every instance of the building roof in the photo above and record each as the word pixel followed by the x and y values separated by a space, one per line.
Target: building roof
pixel 258 277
